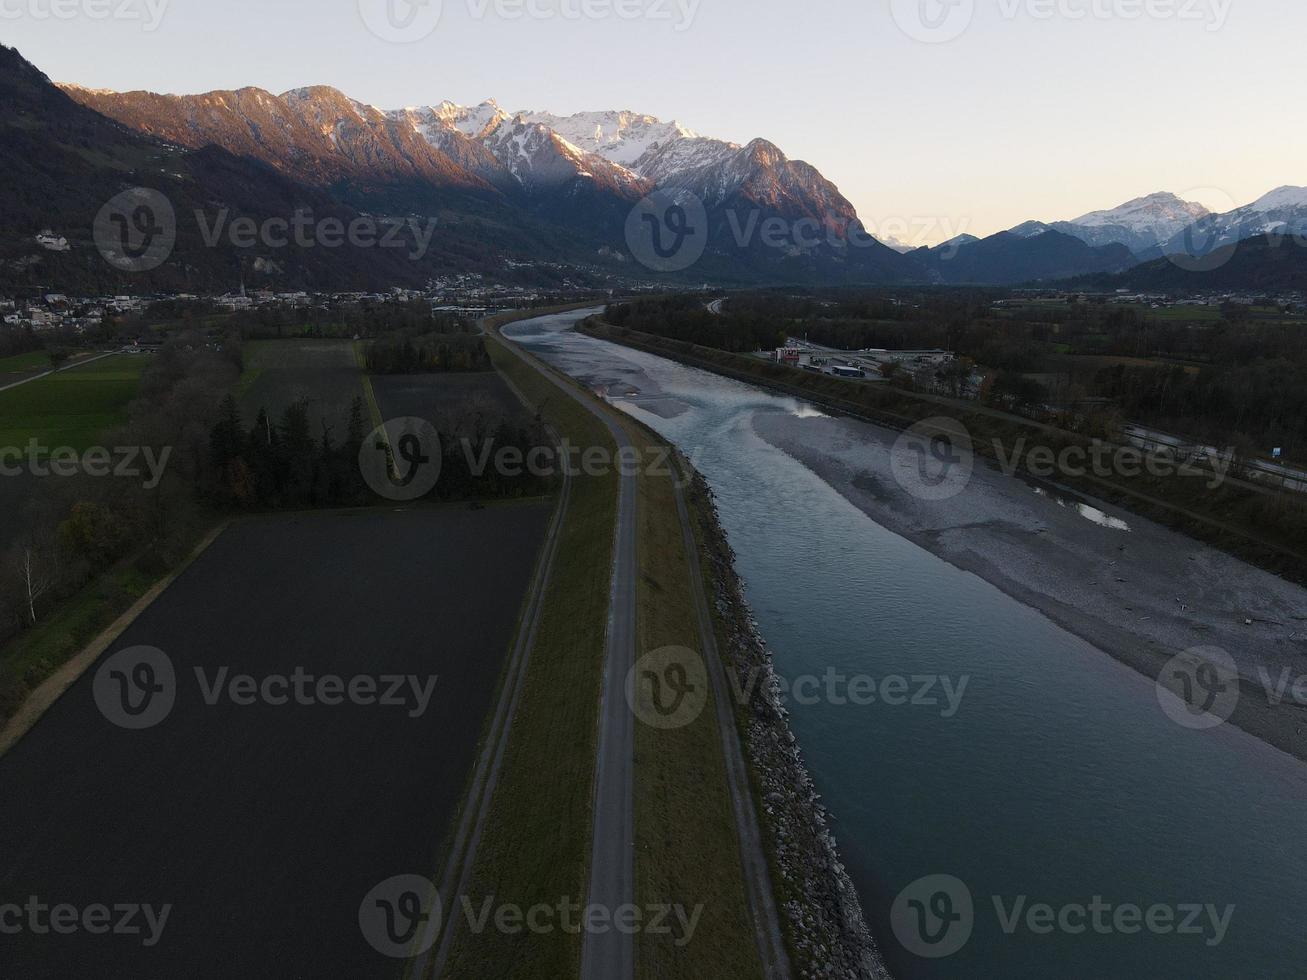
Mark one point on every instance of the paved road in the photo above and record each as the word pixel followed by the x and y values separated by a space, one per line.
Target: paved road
pixel 1152 439
pixel 611 955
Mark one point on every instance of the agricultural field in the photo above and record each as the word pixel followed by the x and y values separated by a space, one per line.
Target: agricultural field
pixel 75 407
pixel 452 400
pixel 323 374
pixel 20 366
pixel 265 825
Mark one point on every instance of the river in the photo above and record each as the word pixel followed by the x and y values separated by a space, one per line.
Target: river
pixel 1057 780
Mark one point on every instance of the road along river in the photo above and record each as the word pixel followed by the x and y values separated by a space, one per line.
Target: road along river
pixel 954 731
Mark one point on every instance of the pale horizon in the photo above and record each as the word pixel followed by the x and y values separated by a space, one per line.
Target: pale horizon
pixel 1018 118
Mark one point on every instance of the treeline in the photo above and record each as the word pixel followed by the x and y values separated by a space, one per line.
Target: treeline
pixel 14 340
pixel 429 354
pixel 1244 381
pixel 354 318
pixel 687 318
pixel 1253 406
pixel 285 465
pixel 64 532
pixel 363 318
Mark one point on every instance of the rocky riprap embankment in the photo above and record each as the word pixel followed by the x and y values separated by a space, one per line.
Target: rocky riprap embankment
pixel 820 909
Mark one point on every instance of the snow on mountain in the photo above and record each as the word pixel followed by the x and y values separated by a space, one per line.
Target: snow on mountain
pixel 643 145
pixel 585 169
pixel 621 137
pixel 1282 211
pixel 665 162
pixel 1280 199
pixel 477 122
pixel 1029 229
pixel 1163 213
pixel 1141 225
pixel 551 170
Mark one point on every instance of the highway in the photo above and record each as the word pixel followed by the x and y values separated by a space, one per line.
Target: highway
pixel 1152 439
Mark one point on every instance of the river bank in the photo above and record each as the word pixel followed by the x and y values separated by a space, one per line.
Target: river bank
pixel 1058 776
pixel 1134 589
pixel 1230 514
pixel 821 913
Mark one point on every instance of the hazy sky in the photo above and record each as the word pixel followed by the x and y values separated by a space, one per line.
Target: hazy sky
pixel 1035 109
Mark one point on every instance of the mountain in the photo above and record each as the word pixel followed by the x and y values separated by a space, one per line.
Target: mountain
pixel 626 138
pixel 1282 211
pixel 622 155
pixel 1141 225
pixel 583 173
pixel 65 161
pixel 1011 259
pixel 525 185
pixel 1267 263
pixel 316 135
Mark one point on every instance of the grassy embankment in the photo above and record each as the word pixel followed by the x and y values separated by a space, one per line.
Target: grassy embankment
pixel 688 849
pixel 1268 529
pixel 536 845
pixel 536 848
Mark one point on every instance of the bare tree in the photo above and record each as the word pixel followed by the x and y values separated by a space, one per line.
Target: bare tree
pixel 33 566
pixel 38 575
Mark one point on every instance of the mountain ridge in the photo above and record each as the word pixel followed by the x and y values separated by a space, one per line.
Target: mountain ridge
pixel 534 172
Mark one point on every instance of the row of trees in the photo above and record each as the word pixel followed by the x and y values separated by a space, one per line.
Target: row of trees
pixel 60 533
pixel 286 465
pixel 688 319
pixel 428 354
pixel 1244 379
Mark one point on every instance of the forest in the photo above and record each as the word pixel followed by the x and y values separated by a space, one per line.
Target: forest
pixel 1232 373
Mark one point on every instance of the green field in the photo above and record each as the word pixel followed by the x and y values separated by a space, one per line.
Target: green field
pixel 74 407
pixel 21 364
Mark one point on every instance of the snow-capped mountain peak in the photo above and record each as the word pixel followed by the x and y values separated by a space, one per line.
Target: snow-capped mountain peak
pixel 476 121
pixel 1281 198
pixel 1162 212
pixel 1141 224
pixel 622 137
pixel 1283 211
